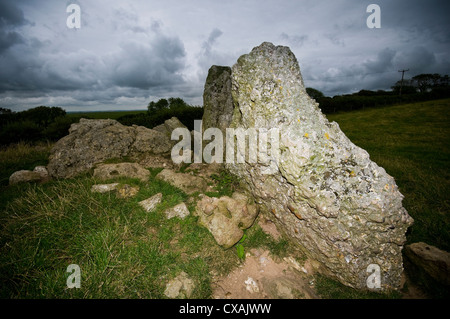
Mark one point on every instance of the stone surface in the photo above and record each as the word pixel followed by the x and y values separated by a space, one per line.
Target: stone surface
pixel 24 176
pixel 432 260
pixel 42 171
pixel 326 193
pixel 104 188
pixel 180 211
pixel 127 191
pixel 150 204
pixel 181 287
pixel 217 100
pixel 93 141
pixel 168 126
pixel 133 170
pixel 186 182
pixel 226 217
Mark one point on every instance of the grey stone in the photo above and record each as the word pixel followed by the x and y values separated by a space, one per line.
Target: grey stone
pixel 217 100
pixel 91 142
pixel 133 170
pixel 180 211
pixel 150 204
pixel 181 287
pixel 104 188
pixel 186 182
pixel 24 176
pixel 432 260
pixel 226 217
pixel 342 208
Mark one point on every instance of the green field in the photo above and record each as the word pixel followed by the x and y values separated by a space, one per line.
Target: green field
pixel 412 142
pixel 125 252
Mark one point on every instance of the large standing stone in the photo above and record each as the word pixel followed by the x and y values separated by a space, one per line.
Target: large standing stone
pixel 217 100
pixel 327 194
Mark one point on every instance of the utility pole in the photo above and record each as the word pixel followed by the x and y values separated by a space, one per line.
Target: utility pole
pixel 401 83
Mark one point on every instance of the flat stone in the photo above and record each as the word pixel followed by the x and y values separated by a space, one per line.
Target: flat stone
pixel 104 188
pixel 110 171
pixel 186 182
pixel 181 287
pixel 24 176
pixel 432 260
pixel 150 204
pixel 180 211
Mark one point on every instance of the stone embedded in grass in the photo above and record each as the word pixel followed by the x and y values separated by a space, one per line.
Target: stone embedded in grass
pixel 181 287
pixel 132 170
pixel 150 204
pixel 186 182
pixel 226 217
pixel 126 191
pixel 104 188
pixel 24 176
pixel 180 211
pixel 39 174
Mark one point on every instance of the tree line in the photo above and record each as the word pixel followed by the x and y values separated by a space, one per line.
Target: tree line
pixel 162 110
pixel 421 87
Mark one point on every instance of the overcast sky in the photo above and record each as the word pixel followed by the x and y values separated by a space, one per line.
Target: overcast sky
pixel 128 53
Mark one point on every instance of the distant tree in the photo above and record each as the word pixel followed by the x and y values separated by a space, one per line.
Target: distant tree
pixel 424 82
pixel 42 115
pixel 5 111
pixel 314 94
pixel 407 88
pixel 156 106
pixel 176 102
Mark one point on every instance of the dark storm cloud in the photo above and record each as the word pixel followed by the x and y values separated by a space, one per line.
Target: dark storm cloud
pixel 10 15
pixel 129 52
pixel 10 18
pixel 144 66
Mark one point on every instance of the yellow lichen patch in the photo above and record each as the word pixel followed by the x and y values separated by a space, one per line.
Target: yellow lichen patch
pixel 327 136
pixel 352 174
pixel 306 135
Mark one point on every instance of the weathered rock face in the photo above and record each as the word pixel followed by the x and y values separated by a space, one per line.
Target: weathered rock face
pixel 217 100
pixel 327 194
pixel 92 141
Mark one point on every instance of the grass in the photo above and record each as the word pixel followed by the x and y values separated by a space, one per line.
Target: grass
pixel 125 252
pixel 412 142
pixel 22 156
pixel 122 251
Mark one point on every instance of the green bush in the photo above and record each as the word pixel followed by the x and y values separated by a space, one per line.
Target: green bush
pixel 20 131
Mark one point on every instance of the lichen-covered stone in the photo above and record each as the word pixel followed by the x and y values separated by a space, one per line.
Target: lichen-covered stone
pixel 93 141
pixel 327 194
pixel 217 100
